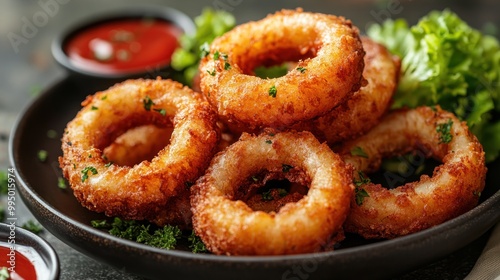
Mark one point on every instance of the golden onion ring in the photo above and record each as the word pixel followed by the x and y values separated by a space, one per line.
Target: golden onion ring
pixel 453 188
pixel 367 106
pixel 231 227
pixel 329 69
pixel 141 191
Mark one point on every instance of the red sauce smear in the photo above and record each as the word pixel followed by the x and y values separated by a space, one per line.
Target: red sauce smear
pixel 19 266
pixel 124 46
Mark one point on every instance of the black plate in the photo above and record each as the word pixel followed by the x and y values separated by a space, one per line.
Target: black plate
pixel 59 212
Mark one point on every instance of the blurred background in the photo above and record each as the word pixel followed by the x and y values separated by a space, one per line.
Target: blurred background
pixel 27 68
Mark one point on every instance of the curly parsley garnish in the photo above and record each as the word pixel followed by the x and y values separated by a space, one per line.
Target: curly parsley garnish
pixel 444 130
pixel 165 237
pixel 358 151
pixel 273 91
pixel 86 171
pixel 196 245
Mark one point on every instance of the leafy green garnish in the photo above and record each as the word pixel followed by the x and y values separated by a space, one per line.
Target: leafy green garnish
pixel 33 227
pixel 359 192
pixel 362 179
pixel 444 130
pixel 42 155
pixel 4 182
pixel 271 72
pixel 273 91
pixel 286 168
pixel 85 172
pixel 162 111
pixel 61 183
pixel 52 134
pixel 147 102
pixel 196 245
pixel 165 237
pixel 4 273
pixel 447 62
pixel 358 151
pixel 360 195
pixel 267 195
pixel 209 25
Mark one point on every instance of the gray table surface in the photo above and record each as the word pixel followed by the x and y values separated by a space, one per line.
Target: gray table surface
pixel 31 68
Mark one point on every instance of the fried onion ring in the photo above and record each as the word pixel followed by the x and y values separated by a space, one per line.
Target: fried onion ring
pixel 231 227
pixel 329 69
pixel 367 106
pixel 141 191
pixel 453 188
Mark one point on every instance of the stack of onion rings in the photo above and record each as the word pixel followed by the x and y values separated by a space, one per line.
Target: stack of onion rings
pixel 230 227
pixel 453 189
pixel 324 95
pixel 141 191
pixel 329 70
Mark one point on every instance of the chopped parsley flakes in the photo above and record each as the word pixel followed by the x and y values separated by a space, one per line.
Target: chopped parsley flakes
pixel 286 168
pixel 360 193
pixel 85 172
pixel 42 155
pixel 273 91
pixel 148 102
pixel 301 69
pixel 444 130
pixel 358 151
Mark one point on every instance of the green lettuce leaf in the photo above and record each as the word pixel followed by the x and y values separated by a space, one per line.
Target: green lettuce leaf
pixel 447 62
pixel 209 25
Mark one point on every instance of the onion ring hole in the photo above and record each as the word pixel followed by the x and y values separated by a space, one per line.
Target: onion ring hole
pixel 138 144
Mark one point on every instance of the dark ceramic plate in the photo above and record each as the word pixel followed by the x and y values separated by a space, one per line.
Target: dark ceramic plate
pixel 59 212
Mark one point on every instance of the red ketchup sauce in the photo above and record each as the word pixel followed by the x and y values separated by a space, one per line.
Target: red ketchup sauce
pixel 16 261
pixel 123 45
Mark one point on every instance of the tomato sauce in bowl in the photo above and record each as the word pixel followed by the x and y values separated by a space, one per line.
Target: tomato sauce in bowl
pixel 123 45
pixel 17 265
pixel 25 255
pixel 130 43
